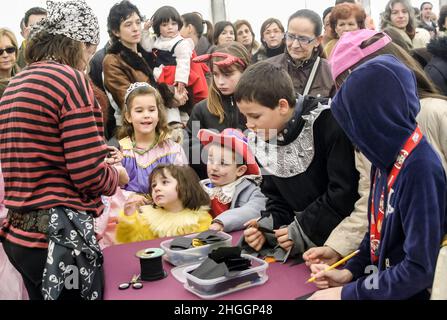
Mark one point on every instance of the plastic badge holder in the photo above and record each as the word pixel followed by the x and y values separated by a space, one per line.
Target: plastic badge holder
pixel 188 256
pixel 214 288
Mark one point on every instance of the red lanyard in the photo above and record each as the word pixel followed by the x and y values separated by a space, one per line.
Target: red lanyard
pixel 376 227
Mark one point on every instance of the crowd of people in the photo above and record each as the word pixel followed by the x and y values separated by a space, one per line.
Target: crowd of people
pixel 326 136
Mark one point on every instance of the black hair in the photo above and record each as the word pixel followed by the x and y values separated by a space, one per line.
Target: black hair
pixel 194 20
pixel 164 14
pixel 120 12
pixel 327 11
pixel 312 16
pixel 265 84
pixel 219 28
pixel 34 11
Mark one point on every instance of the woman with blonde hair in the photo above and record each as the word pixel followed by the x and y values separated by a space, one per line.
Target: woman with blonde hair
pixel 8 58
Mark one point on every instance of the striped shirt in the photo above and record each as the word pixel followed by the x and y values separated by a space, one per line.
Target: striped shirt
pixel 51 144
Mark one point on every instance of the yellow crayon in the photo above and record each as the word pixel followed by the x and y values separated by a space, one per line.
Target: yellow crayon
pixel 335 265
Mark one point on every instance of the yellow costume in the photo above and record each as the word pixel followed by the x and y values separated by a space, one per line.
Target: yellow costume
pixel 153 223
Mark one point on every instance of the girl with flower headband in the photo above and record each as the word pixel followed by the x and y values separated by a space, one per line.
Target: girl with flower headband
pixel 219 111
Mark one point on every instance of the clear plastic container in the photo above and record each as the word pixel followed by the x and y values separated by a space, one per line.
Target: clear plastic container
pixel 214 288
pixel 188 256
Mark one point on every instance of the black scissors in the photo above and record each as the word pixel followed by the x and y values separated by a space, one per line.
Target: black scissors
pixel 134 283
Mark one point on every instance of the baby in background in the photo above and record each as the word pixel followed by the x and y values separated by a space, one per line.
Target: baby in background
pixel 233 180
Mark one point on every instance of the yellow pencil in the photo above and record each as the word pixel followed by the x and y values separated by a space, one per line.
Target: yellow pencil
pixel 335 265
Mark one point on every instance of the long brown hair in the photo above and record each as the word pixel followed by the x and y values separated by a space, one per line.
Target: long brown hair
pixel 161 129
pixel 239 24
pixel 386 17
pixel 189 190
pixel 426 88
pixel 46 46
pixel 214 96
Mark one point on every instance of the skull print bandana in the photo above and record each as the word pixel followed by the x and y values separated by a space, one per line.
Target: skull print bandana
pixel 74 258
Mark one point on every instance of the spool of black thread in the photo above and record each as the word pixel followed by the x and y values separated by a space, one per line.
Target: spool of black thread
pixel 151 264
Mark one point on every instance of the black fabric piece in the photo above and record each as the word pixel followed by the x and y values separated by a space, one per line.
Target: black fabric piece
pixel 238 264
pixel 181 243
pixel 222 262
pixel 209 269
pixel 207 237
pixel 270 248
pixel 223 254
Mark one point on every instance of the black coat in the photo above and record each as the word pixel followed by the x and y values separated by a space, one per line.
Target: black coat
pixel 436 69
pixel 322 195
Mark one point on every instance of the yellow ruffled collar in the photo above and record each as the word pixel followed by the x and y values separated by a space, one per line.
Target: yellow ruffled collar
pixel 169 224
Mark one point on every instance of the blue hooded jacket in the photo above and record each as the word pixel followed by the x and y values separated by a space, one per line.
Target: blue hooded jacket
pixel 377 107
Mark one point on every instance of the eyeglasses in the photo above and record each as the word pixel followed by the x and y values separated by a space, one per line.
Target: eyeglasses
pixel 301 39
pixel 8 50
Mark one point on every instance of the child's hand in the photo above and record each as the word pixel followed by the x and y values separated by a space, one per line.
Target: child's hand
pixel 181 88
pixel 123 177
pixel 254 238
pixel 331 278
pixel 147 25
pixel 318 255
pixel 180 99
pixel 282 235
pixel 134 203
pixel 328 294
pixel 216 226
pixel 114 157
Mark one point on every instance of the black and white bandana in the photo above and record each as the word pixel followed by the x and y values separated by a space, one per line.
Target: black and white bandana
pixel 74 258
pixel 73 19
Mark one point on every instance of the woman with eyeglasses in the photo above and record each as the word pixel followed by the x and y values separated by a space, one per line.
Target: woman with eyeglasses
pixel 272 38
pixel 302 60
pixel 8 58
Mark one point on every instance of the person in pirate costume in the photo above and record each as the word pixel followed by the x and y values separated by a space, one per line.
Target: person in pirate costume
pixel 54 161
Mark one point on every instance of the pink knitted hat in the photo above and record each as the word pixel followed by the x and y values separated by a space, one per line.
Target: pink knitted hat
pixel 347 51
